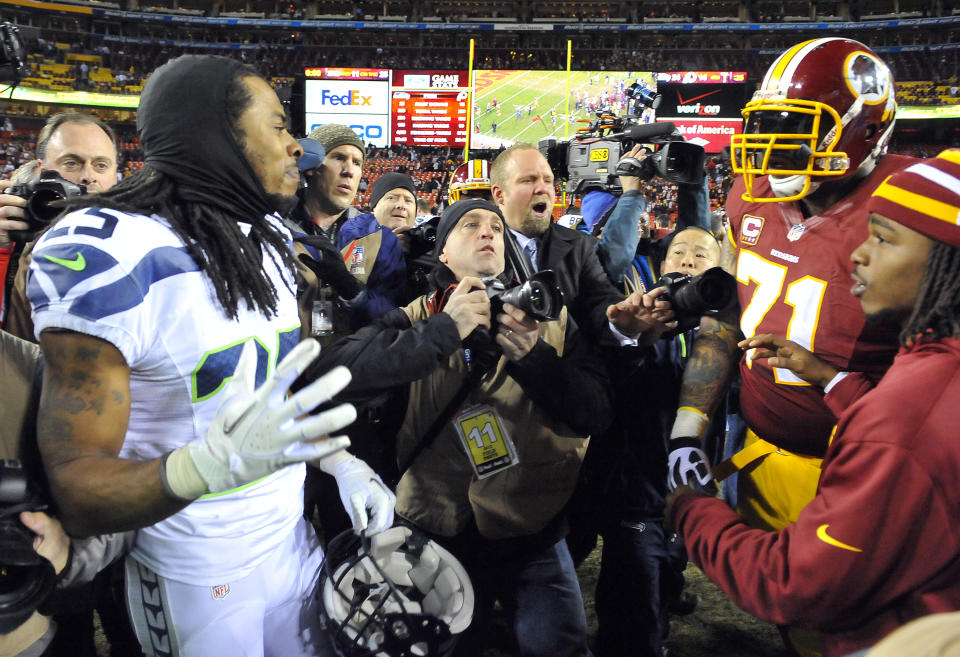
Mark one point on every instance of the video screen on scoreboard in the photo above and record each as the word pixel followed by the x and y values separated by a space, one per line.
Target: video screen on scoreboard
pixel 355 97
pixel 703 105
pixel 430 108
pixel 512 106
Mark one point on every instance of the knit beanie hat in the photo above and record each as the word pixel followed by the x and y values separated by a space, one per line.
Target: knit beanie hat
pixel 332 135
pixel 925 197
pixel 452 215
pixel 389 182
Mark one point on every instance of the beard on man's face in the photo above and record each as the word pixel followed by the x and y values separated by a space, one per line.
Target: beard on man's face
pixel 282 203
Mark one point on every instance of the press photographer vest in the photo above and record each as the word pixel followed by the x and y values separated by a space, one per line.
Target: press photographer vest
pixel 364 250
pixel 440 492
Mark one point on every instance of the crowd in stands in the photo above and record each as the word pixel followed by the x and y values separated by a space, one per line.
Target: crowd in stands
pixel 694 11
pixel 114 55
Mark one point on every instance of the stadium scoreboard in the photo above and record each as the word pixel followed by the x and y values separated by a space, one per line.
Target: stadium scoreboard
pixel 430 118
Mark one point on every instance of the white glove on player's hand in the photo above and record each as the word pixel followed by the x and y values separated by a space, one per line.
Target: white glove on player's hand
pixel 688 465
pixel 365 497
pixel 256 432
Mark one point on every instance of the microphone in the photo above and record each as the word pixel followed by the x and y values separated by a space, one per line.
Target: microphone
pixel 644 130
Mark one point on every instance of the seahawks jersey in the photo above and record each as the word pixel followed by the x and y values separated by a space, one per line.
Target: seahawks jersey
pixel 128 279
pixel 794 281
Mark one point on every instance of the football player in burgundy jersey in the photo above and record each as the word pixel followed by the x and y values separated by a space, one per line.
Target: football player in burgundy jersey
pixel 811 153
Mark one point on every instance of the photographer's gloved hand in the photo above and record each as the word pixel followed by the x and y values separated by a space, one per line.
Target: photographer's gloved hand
pixel 11 214
pixel 365 497
pixel 330 268
pixel 257 432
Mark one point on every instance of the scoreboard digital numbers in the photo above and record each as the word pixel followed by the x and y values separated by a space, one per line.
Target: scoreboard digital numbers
pixel 430 118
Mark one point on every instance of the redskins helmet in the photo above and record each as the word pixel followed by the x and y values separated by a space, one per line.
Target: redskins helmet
pixel 471 179
pixel 395 594
pixel 824 111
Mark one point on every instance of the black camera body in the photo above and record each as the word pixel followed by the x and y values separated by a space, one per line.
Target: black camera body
pixel 692 297
pixel 539 296
pixel 594 158
pixel 423 237
pixel 26 578
pixel 13 60
pixel 39 194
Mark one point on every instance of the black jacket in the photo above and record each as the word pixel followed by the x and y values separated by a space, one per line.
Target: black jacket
pixel 586 289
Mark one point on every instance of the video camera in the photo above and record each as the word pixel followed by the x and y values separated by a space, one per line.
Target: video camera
pixel 40 193
pixel 593 159
pixel 13 61
pixel 26 578
pixel 691 297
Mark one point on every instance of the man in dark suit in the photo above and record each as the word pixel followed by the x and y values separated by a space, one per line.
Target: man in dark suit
pixel 523 188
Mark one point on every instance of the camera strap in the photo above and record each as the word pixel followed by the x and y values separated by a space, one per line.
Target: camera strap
pixel 472 380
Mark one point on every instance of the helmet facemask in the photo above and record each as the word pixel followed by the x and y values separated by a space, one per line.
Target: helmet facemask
pixel 397 594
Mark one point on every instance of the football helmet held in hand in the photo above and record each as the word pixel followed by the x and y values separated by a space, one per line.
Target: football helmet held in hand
pixel 396 594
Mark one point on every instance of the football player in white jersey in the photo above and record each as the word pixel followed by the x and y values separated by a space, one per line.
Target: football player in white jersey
pixel 166 311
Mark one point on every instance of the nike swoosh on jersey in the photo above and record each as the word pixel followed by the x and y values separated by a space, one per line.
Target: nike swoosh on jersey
pixel 77 264
pixel 830 540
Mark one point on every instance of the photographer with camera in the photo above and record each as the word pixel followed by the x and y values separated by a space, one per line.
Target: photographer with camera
pixel 77 154
pixel 496 408
pixel 366 265
pixel 622 492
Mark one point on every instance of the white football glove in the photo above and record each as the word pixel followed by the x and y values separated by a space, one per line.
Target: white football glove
pixel 365 497
pixel 687 465
pixel 256 432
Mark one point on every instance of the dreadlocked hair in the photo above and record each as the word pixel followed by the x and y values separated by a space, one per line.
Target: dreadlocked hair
pixel 936 314
pixel 231 261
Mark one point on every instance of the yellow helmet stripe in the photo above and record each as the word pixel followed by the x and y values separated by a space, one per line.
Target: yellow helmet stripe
pixel 772 79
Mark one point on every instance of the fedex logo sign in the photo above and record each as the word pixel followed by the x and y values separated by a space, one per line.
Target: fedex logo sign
pixel 353 97
pixel 347 97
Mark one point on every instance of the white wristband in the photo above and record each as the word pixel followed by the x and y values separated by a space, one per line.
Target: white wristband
pixel 840 376
pixel 180 476
pixel 690 423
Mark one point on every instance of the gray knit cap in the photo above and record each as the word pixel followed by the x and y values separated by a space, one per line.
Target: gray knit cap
pixel 332 135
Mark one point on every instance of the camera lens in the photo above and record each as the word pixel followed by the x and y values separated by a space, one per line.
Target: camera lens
pixel 39 204
pixel 536 298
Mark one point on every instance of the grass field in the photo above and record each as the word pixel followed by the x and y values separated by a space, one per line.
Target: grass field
pixel 716 629
pixel 533 104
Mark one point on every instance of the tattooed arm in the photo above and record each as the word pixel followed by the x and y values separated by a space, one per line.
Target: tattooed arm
pixel 714 357
pixel 706 376
pixel 82 421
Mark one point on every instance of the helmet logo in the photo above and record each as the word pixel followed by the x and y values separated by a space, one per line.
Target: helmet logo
pixel 867 77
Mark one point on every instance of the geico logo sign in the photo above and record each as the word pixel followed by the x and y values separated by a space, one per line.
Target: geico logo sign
pixel 327 97
pixel 363 131
pixel 698 109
